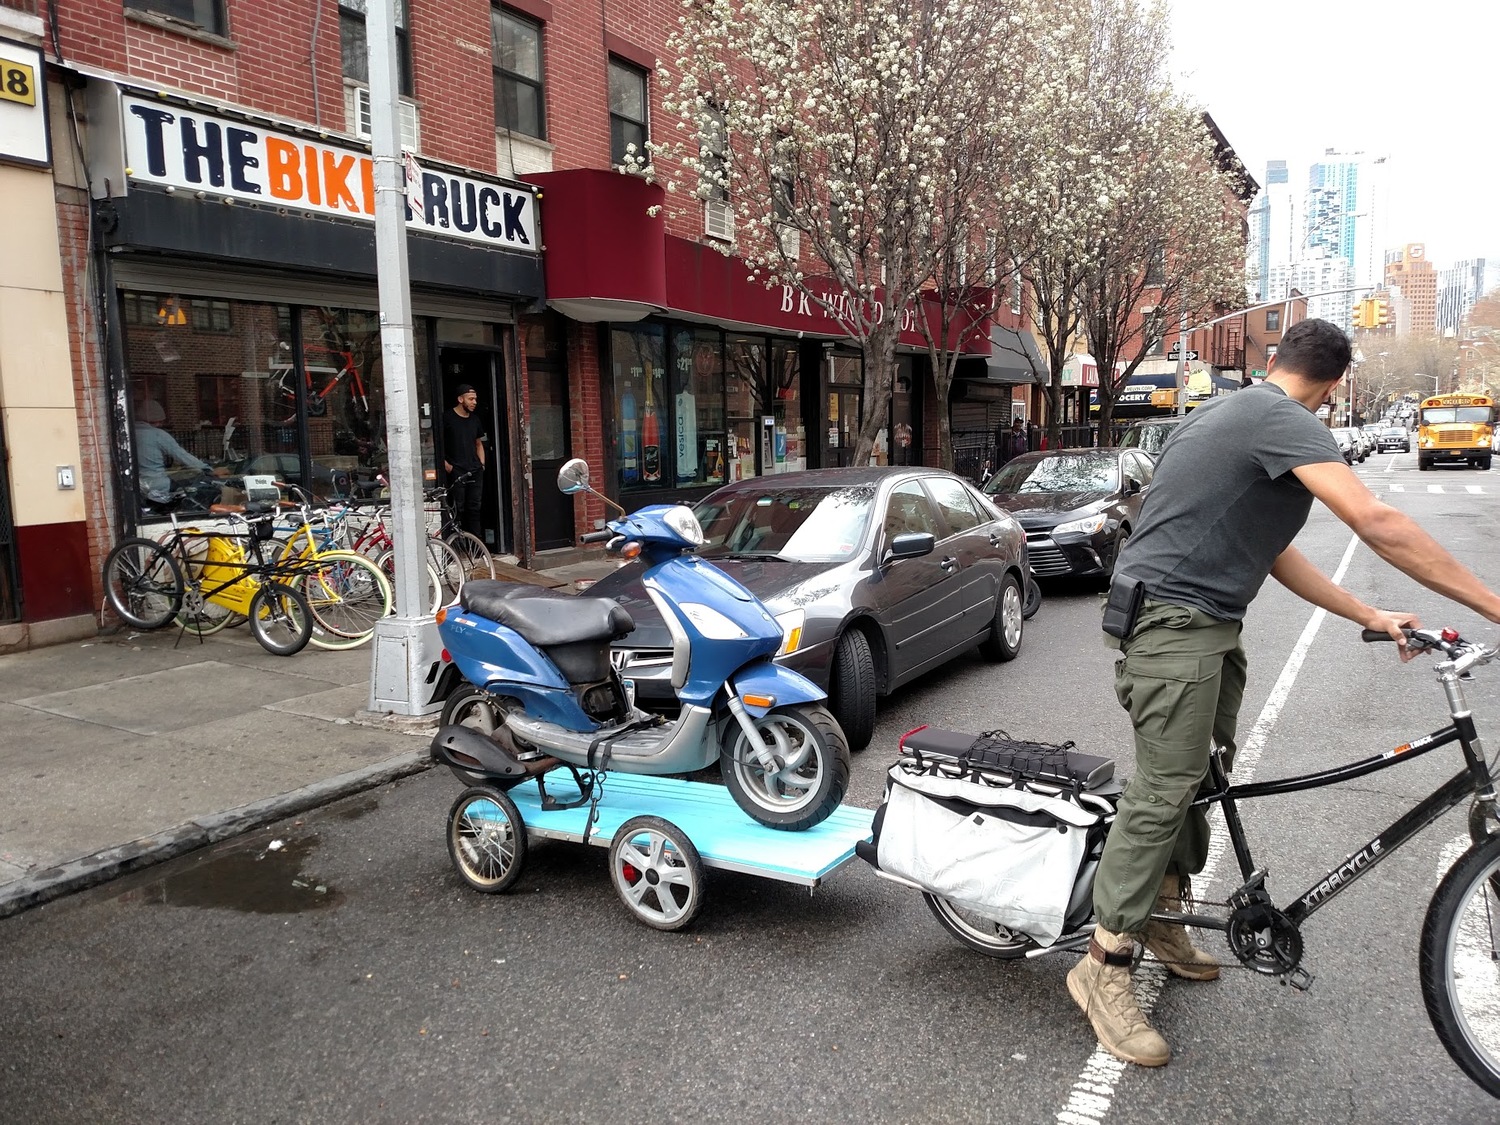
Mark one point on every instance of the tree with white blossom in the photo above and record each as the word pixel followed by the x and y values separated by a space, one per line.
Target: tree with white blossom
pixel 827 129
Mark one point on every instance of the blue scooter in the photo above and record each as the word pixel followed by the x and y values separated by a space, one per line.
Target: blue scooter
pixel 542 691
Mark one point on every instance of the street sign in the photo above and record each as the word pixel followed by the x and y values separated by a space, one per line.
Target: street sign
pixel 1175 352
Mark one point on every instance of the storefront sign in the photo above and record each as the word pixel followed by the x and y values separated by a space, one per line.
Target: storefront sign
pixel 23 105
pixel 187 149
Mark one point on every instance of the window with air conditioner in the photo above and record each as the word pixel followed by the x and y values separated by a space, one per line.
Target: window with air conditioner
pixel 718 213
pixel 357 107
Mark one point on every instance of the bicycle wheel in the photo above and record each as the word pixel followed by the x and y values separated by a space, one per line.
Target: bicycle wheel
pixel 983 935
pixel 143 583
pixel 1460 963
pixel 434 593
pixel 346 594
pixel 477 560
pixel 197 614
pixel 450 567
pixel 280 619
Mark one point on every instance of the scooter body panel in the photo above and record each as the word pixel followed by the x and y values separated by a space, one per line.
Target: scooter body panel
pixel 784 685
pixel 497 658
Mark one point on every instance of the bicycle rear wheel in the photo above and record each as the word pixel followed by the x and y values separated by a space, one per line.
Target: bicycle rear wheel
pixel 475 556
pixel 143 583
pixel 347 594
pixel 451 568
pixel 1460 963
pixel 280 619
pixel 433 595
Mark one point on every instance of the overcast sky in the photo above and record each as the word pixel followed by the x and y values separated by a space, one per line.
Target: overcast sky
pixel 1415 81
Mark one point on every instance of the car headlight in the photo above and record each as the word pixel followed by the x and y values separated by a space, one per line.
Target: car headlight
pixel 1088 525
pixel 710 622
pixel 791 623
pixel 681 520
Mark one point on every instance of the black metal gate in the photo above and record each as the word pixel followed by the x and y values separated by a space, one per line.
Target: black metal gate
pixel 10 586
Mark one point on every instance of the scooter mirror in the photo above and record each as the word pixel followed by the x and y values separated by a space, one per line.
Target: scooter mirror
pixel 573 476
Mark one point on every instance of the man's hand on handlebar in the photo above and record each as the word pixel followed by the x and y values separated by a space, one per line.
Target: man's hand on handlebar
pixel 1395 626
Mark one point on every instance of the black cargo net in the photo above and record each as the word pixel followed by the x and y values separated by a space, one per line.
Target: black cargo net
pixel 996 750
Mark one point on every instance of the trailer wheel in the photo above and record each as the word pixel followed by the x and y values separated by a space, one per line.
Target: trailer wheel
pixel 656 872
pixel 486 839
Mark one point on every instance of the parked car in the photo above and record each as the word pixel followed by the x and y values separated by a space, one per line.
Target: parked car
pixel 1346 446
pixel 876 576
pixel 1349 435
pixel 1393 438
pixel 1149 435
pixel 1078 506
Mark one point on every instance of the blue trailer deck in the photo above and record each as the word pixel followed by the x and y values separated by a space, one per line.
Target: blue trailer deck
pixel 725 836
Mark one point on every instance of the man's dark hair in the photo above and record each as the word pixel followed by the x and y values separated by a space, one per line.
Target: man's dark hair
pixel 1316 349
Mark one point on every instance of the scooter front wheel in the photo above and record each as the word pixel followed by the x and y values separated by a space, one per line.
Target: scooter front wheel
pixel 799 773
pixel 656 872
pixel 486 839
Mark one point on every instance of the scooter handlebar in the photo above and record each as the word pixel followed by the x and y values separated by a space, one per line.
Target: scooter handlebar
pixel 597 536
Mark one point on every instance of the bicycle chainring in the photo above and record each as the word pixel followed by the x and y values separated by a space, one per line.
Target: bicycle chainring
pixel 1265 940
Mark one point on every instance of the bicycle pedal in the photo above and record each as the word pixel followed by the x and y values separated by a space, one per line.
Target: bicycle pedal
pixel 1299 978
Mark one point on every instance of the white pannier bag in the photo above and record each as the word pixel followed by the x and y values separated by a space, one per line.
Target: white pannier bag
pixel 1003 853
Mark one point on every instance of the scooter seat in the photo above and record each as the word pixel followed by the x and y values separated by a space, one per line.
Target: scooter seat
pixel 544 617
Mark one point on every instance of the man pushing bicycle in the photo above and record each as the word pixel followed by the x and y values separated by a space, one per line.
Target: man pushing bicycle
pixel 1233 487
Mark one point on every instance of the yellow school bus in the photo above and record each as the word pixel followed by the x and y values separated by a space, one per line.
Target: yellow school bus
pixel 1455 427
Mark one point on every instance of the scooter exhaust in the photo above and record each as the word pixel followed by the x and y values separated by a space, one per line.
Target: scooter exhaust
pixel 476 759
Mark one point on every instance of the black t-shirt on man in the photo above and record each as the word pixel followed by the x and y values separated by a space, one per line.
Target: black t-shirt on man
pixel 460 436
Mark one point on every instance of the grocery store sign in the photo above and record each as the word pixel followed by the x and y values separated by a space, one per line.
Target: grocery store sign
pixel 187 149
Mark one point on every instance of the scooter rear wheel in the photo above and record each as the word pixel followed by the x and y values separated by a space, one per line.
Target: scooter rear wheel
pixel 656 872
pixel 486 839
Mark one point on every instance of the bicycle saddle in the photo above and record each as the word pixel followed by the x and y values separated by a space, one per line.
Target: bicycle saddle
pixel 256 509
pixel 545 617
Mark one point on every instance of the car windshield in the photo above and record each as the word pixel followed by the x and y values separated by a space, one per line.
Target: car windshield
pixel 1085 472
pixel 803 524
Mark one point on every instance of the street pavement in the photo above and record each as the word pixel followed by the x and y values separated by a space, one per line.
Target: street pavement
pixel 130 748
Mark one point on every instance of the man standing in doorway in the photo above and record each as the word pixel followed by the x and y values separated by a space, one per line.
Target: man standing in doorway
pixel 463 459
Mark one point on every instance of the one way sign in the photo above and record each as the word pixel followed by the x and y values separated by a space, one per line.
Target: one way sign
pixel 1175 352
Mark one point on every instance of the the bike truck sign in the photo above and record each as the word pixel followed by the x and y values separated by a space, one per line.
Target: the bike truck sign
pixel 184 148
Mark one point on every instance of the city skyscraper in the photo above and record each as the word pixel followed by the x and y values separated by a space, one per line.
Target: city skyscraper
pixel 1460 286
pixel 1413 284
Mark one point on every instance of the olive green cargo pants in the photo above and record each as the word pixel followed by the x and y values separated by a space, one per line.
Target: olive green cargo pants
pixel 1182 678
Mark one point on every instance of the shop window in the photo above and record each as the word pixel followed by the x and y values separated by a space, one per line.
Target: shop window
pixel 355 46
pixel 342 381
pixel 205 15
pixel 210 316
pixel 789 441
pixel 699 436
pixel 745 374
pixel 516 47
pixel 201 416
pixel 642 456
pixel 627 115
pixel 547 387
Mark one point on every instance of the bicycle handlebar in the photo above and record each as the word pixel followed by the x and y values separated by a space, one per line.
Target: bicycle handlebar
pixel 1464 654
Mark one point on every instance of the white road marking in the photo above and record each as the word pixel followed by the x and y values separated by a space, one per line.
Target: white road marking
pixel 1473 489
pixel 1435 488
pixel 1474 965
pixel 1093 1090
pixel 1398 488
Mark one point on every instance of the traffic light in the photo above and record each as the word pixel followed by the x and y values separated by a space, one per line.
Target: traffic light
pixel 1362 314
pixel 1382 311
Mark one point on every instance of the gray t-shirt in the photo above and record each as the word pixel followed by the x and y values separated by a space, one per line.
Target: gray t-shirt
pixel 1224 502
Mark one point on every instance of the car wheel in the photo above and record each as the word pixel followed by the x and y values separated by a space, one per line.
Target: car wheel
pixel 851 689
pixel 1004 641
pixel 1120 540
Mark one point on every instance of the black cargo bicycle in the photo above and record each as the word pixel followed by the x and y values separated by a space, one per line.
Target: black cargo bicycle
pixel 1459 954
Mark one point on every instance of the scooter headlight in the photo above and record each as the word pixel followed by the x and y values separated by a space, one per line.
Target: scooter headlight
pixel 681 520
pixel 791 630
pixel 710 622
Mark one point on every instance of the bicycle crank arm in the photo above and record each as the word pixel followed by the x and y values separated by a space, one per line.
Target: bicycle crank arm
pixel 1197 921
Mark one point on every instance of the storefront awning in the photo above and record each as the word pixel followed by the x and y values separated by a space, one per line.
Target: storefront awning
pixel 1010 349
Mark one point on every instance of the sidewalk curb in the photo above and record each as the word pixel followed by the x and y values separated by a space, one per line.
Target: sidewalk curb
pixel 91 870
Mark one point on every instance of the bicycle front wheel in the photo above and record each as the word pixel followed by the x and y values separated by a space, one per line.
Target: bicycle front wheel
pixel 347 594
pixel 434 582
pixel 280 619
pixel 143 583
pixel 475 556
pixel 1460 963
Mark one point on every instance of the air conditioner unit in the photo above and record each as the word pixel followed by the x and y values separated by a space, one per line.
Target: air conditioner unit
pixel 791 241
pixel 718 219
pixel 358 110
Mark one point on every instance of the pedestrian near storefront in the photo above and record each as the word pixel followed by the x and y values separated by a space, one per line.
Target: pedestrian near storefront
pixel 155 449
pixel 463 459
pixel 1233 487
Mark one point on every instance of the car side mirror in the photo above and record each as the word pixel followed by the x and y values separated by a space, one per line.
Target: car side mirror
pixel 912 545
pixel 1132 486
pixel 573 476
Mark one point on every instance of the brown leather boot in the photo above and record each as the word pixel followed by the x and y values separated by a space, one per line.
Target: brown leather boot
pixel 1100 985
pixel 1170 944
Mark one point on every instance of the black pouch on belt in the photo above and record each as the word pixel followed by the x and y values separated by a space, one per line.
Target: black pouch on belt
pixel 1123 605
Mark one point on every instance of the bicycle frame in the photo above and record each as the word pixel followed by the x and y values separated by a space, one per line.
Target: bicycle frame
pixel 1474 780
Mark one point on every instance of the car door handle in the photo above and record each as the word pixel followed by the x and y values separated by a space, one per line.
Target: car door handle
pixel 996 539
pixel 950 564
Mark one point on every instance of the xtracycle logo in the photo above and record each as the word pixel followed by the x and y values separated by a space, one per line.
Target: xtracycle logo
pixel 1346 871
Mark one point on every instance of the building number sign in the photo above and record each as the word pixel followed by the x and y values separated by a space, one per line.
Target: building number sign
pixel 17 82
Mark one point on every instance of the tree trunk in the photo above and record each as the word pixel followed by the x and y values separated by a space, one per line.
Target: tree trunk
pixel 1106 419
pixel 880 370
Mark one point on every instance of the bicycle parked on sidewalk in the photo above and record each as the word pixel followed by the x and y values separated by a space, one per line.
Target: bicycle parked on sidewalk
pixel 146 585
pixel 1459 955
